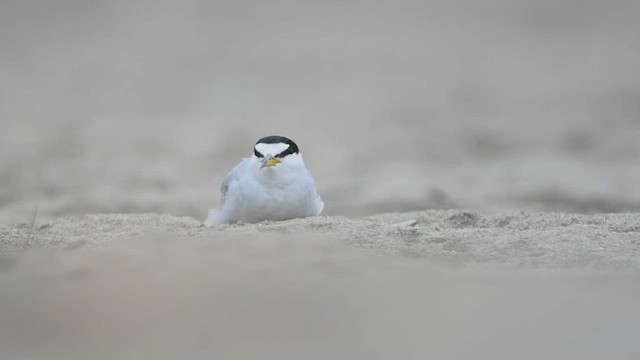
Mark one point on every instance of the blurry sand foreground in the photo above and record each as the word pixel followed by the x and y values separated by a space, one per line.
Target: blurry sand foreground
pixel 431 284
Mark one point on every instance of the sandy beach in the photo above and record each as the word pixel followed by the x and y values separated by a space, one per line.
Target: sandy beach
pixel 478 161
pixel 441 284
pixel 451 237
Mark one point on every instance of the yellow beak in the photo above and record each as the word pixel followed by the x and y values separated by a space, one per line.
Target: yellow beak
pixel 272 162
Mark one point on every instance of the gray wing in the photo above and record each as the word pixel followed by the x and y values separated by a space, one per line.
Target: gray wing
pixel 232 176
pixel 223 190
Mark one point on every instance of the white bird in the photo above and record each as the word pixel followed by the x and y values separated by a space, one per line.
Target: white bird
pixel 273 184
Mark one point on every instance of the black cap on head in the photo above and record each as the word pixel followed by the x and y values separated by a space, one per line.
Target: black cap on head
pixel 276 139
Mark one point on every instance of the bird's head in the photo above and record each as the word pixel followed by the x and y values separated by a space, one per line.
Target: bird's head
pixel 273 150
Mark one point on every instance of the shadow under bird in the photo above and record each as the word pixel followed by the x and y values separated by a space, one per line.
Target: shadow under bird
pixel 272 184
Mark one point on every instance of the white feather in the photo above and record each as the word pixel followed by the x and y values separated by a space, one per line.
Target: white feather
pixel 271 149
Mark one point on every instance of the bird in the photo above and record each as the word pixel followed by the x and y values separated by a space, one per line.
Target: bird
pixel 273 184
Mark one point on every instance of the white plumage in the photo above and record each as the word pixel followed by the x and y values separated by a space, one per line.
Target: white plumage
pixel 273 184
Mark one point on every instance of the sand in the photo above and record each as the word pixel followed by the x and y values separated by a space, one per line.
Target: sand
pixel 113 112
pixel 432 284
pixel 494 106
pixel 530 240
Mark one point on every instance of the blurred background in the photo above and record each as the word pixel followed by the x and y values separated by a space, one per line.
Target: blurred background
pixel 493 105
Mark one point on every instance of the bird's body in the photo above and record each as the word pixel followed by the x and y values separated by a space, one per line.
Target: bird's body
pixel 273 184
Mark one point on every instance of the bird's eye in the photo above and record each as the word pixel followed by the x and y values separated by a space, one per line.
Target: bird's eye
pixel 257 153
pixel 284 153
